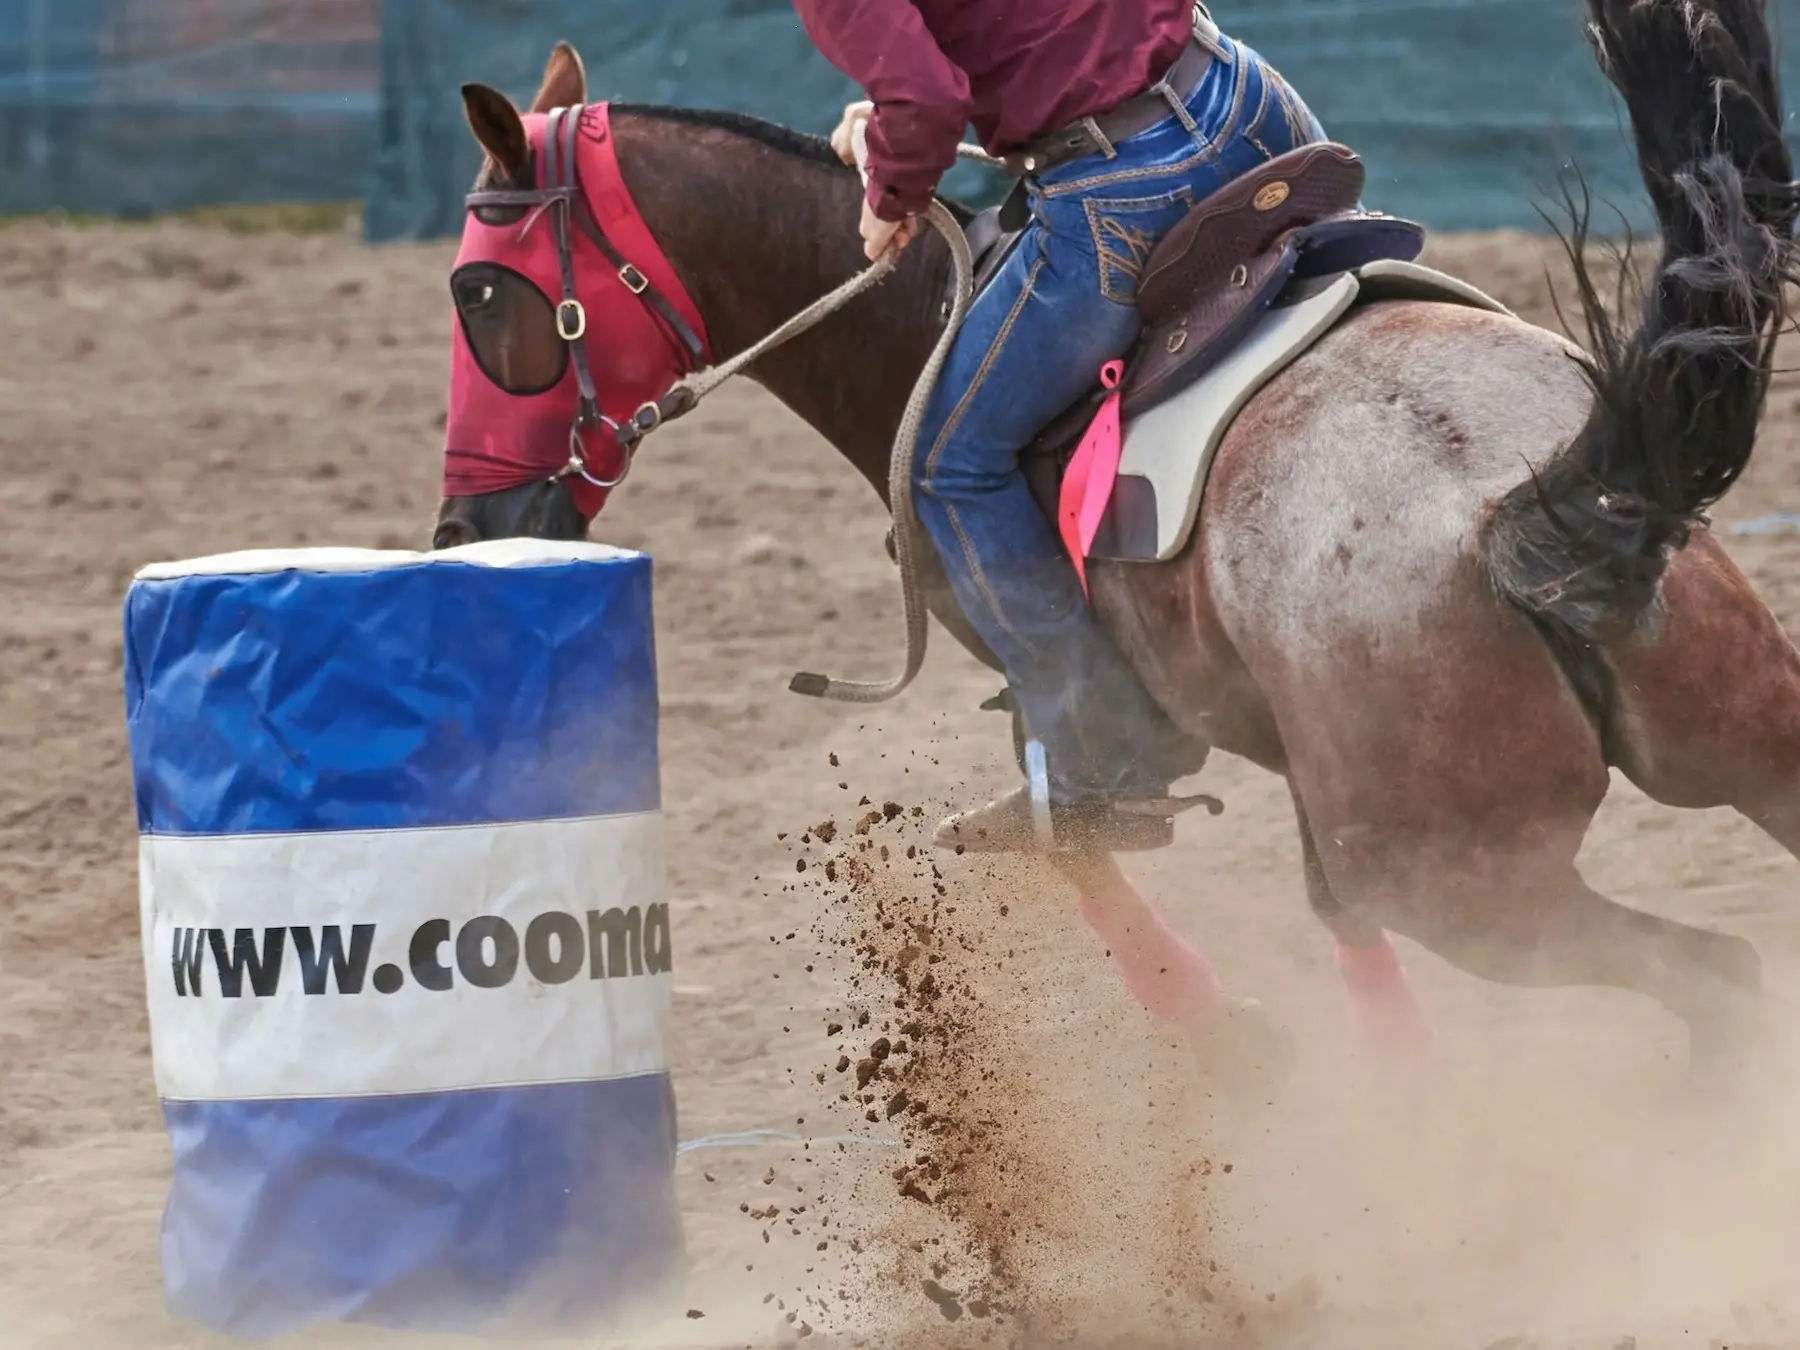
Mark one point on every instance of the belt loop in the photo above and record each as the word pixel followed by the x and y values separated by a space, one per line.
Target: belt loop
pixel 1181 110
pixel 1206 33
pixel 1092 127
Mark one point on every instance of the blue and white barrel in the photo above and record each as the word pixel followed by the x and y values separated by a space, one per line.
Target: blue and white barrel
pixel 406 936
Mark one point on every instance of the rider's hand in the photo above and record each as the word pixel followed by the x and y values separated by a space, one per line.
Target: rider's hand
pixel 879 236
pixel 843 139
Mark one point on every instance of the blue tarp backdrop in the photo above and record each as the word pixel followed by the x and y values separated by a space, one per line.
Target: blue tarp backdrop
pixel 1464 109
pixel 748 56
pixel 126 107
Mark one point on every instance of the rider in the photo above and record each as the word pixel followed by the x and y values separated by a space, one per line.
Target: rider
pixel 1119 115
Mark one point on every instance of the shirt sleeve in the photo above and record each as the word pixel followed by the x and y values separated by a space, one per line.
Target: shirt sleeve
pixel 921 97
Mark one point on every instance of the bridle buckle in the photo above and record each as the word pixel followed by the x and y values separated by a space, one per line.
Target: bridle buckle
pixel 571 320
pixel 635 281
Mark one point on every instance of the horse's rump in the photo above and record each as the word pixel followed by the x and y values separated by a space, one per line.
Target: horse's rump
pixel 1359 479
pixel 1346 503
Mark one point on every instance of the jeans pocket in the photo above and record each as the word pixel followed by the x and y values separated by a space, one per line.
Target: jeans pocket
pixel 1281 122
pixel 1126 230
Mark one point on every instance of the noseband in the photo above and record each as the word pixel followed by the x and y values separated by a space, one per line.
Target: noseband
pixel 563 200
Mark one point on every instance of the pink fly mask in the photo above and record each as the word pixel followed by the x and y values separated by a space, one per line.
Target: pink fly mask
pixel 539 387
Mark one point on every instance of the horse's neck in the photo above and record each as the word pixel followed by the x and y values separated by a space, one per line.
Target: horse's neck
pixel 756 235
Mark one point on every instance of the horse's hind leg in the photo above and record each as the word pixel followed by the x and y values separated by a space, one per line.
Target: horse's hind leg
pixel 1709 706
pixel 1531 920
pixel 1550 929
pixel 1449 793
pixel 1382 1003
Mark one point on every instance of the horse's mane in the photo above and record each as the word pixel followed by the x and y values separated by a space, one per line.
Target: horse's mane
pixel 783 139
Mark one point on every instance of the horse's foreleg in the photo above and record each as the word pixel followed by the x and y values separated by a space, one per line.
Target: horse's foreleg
pixel 1234 1040
pixel 1163 971
pixel 1387 1014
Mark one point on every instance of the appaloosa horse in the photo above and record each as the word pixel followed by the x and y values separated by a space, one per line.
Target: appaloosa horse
pixel 1447 569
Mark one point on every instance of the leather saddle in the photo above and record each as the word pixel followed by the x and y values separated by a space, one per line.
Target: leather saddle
pixel 1274 234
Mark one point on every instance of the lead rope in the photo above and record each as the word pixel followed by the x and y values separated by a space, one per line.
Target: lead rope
pixel 900 489
pixel 906 524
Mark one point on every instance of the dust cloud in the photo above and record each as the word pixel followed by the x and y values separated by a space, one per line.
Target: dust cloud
pixel 1067 1176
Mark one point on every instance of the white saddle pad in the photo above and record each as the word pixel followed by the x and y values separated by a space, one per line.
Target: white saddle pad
pixel 1169 450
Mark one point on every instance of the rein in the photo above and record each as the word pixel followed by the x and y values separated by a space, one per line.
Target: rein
pixel 563 200
pixel 900 466
pixel 688 392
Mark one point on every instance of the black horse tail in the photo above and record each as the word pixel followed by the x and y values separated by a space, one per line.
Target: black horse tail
pixel 1582 546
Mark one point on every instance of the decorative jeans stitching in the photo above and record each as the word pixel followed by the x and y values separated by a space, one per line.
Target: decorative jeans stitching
pixel 1302 124
pixel 1256 123
pixel 1110 232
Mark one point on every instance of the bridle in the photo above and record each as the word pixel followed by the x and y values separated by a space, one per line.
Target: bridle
pixel 562 199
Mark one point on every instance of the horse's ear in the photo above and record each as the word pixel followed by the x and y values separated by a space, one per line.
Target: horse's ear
pixel 565 80
pixel 497 126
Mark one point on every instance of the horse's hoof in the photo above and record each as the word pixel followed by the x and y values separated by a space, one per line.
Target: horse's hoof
pixel 1243 1049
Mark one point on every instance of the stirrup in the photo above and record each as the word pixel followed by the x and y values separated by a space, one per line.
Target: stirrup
pixel 1169 806
pixel 1010 824
pixel 1025 821
pixel 1043 828
pixel 1037 782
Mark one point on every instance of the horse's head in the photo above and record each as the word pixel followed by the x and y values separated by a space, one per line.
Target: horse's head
pixel 568 319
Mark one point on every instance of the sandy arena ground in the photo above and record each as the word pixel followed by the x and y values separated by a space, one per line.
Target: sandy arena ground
pixel 176 389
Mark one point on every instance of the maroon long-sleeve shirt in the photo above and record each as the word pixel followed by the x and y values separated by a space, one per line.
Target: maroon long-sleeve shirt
pixel 1014 69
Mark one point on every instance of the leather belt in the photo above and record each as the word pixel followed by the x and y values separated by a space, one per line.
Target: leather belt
pixel 1099 133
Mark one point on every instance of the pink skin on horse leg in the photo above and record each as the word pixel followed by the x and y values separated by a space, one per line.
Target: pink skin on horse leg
pixel 1386 1010
pixel 1170 978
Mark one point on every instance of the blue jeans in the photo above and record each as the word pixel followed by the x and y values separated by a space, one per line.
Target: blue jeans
pixel 1033 343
